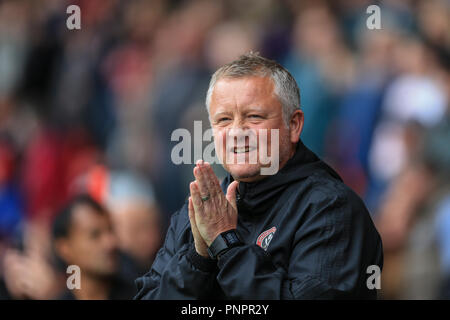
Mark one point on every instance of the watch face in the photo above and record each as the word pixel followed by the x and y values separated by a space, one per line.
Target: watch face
pixel 231 238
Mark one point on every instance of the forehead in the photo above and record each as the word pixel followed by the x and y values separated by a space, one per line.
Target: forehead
pixel 241 92
pixel 134 211
pixel 85 218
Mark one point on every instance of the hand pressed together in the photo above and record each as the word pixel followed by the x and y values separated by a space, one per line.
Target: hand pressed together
pixel 210 211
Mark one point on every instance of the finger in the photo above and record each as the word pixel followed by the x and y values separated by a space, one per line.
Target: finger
pixel 216 194
pixel 204 190
pixel 199 242
pixel 201 180
pixel 196 198
pixel 231 194
pixel 214 186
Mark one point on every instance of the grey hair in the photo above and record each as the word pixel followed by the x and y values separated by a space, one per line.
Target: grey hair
pixel 252 64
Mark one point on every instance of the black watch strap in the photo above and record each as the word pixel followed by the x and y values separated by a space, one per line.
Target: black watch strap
pixel 223 242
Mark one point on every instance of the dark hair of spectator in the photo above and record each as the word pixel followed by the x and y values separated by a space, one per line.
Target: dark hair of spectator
pixel 63 221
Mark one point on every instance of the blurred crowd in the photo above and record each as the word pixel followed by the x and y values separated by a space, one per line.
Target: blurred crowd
pixel 86 118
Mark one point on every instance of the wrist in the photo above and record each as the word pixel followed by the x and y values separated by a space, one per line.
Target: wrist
pixel 205 264
pixel 201 249
pixel 223 242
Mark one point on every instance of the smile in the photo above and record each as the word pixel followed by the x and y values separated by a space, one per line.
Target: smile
pixel 243 149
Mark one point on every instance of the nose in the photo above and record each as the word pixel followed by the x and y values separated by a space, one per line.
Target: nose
pixel 110 241
pixel 239 126
pixel 241 133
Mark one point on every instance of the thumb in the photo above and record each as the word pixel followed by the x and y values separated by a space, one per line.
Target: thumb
pixel 231 194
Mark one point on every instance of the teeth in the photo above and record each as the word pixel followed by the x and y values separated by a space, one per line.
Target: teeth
pixel 241 150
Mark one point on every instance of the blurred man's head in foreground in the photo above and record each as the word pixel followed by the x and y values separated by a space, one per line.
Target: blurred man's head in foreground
pixel 137 220
pixel 83 236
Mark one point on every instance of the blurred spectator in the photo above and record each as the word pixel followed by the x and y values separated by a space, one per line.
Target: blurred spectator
pixel 320 62
pixel 443 239
pixel 11 202
pixel 28 271
pixel 359 111
pixel 136 219
pixel 83 236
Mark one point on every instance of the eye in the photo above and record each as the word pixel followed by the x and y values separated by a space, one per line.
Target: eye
pixel 257 116
pixel 223 119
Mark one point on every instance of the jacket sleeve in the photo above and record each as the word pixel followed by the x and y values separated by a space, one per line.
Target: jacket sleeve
pixel 178 272
pixel 327 259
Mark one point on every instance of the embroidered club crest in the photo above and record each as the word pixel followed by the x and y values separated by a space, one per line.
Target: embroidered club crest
pixel 264 238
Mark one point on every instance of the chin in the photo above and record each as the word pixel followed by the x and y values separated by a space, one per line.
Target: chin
pixel 109 270
pixel 244 172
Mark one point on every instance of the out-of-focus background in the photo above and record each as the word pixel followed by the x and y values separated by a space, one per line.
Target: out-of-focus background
pixel 91 111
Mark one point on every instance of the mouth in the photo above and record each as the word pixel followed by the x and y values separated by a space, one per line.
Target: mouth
pixel 245 149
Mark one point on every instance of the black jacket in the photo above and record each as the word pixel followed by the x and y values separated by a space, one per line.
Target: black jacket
pixel 319 242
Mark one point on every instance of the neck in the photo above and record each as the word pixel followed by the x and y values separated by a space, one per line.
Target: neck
pixel 93 288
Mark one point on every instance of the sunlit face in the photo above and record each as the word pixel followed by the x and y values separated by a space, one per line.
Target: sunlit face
pixel 249 105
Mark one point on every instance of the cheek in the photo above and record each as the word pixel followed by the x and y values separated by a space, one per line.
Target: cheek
pixel 266 135
pixel 275 139
pixel 81 253
pixel 284 144
pixel 220 140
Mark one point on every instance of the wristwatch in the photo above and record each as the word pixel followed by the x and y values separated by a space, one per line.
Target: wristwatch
pixel 224 241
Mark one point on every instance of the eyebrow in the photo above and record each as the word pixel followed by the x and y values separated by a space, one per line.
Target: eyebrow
pixel 221 113
pixel 247 110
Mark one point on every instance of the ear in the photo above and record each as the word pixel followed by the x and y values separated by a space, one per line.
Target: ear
pixel 296 126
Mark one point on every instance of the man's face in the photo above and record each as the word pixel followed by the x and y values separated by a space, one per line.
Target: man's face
pixel 138 228
pixel 248 106
pixel 91 243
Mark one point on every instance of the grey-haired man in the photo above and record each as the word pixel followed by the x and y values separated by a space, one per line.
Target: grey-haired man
pixel 298 233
